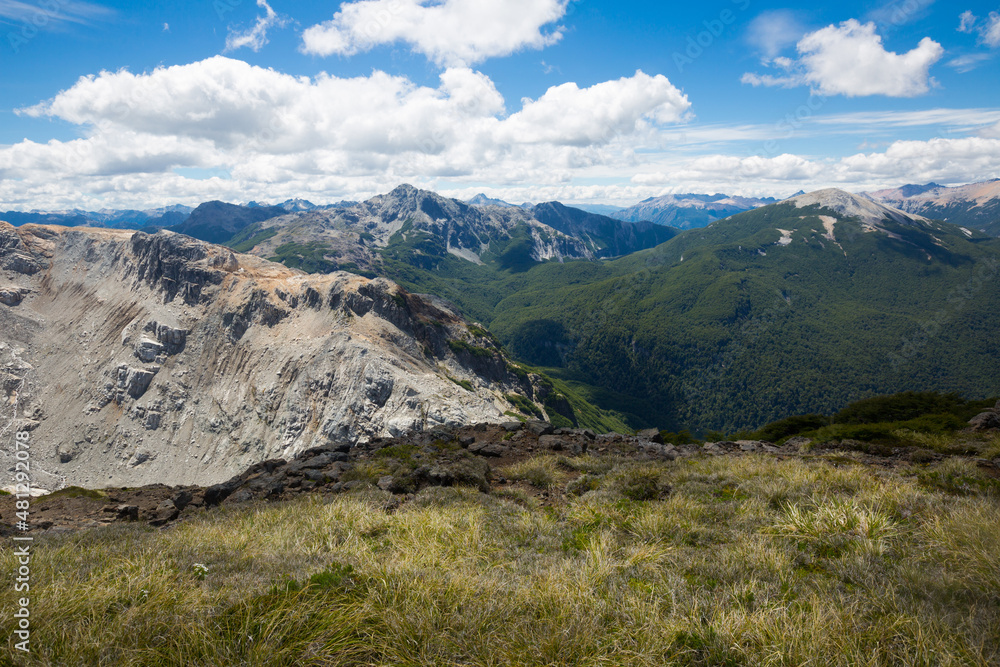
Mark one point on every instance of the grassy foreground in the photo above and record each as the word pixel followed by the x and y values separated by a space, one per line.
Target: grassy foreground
pixel 704 561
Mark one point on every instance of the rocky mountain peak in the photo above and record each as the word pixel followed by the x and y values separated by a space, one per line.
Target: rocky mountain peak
pixel 870 213
pixel 190 361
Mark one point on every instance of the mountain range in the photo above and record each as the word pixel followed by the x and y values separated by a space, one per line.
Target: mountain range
pixel 796 306
pixel 425 229
pixel 690 210
pixel 976 205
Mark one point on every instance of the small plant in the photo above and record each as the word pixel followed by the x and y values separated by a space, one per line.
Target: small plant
pixel 541 472
pixel 640 485
pixel 336 575
pixel 464 384
pixel 200 571
pixel 583 484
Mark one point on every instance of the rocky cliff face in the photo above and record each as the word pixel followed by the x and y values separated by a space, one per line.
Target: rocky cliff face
pixel 136 358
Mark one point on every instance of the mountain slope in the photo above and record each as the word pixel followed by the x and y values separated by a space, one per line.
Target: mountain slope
pixel 796 307
pixel 688 211
pixel 217 222
pixel 976 206
pixel 609 237
pixel 136 358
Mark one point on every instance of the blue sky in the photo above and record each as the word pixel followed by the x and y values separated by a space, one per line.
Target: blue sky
pixel 115 104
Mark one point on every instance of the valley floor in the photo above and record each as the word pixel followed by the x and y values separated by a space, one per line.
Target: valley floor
pixel 571 558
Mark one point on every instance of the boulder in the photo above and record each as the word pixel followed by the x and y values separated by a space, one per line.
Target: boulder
pixel 554 442
pixel 651 435
pixel 165 512
pixel 797 443
pixel 540 427
pixel 12 296
pixel 147 350
pixel 985 421
pixel 182 499
pixel 135 381
pixel 511 427
pixel 491 449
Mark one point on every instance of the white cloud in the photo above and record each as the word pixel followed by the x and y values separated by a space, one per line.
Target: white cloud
pixel 324 137
pixel 948 161
pixel 967 22
pixel 968 62
pixel 772 32
pixel 52 14
pixel 991 32
pixel 992 132
pixel 256 37
pixel 569 115
pixel 988 31
pixel 449 32
pixel 850 60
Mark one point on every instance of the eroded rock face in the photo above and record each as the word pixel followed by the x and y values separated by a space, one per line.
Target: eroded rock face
pixel 161 359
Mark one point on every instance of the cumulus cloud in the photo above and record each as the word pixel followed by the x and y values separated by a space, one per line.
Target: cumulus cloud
pixel 851 60
pixel 964 160
pixel 298 136
pixel 256 37
pixel 992 132
pixel 569 115
pixel 450 33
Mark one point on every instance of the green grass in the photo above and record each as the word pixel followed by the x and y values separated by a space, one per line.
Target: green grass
pixel 805 562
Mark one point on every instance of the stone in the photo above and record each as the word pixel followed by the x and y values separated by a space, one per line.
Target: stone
pixel 651 435
pixel 68 452
pixel 540 427
pixel 135 381
pixel 797 443
pixel 153 420
pixel 512 427
pixel 491 449
pixel 385 483
pixel 13 296
pixel 985 421
pixel 147 350
pixel 467 441
pixel 165 513
pixel 182 499
pixel 553 442
pixel 314 476
pixel 127 512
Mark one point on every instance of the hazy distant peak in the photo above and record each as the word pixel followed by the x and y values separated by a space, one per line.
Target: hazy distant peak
pixel 482 200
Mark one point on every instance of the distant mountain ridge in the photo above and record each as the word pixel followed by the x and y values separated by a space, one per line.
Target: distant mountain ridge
pixel 976 205
pixel 689 211
pixel 423 228
pixel 112 219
